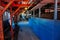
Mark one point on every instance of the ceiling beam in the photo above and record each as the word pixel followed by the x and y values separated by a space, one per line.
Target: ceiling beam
pixel 41 4
pixel 22 5
pixel 6 7
pixel 16 5
pixel 1 8
pixel 0 2
pixel 15 11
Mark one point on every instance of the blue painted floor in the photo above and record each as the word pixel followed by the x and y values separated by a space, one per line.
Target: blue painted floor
pixel 41 29
pixel 26 33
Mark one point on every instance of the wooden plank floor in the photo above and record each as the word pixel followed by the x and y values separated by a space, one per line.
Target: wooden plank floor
pixel 27 34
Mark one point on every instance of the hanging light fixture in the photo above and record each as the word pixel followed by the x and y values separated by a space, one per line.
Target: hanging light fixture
pixel 26 8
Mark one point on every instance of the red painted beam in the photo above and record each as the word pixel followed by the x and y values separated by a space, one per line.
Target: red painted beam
pixel 26 0
pixel 1 29
pixel 42 3
pixel 1 8
pixel 16 5
pixel 6 7
pixel 22 5
pixel 16 11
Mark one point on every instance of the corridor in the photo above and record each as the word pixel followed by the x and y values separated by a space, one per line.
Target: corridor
pixel 29 19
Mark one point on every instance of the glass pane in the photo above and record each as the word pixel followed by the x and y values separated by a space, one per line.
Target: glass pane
pixel 37 13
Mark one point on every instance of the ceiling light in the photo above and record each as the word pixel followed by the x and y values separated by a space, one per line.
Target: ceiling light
pixel 26 8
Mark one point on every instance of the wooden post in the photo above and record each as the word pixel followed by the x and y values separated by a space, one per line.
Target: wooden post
pixel 21 5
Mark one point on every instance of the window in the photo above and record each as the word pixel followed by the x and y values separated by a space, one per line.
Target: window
pixel 58 12
pixel 47 11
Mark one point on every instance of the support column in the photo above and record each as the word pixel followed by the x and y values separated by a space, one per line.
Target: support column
pixel 0 2
pixel 39 12
pixel 1 20
pixel 55 11
pixel 1 29
pixel 12 33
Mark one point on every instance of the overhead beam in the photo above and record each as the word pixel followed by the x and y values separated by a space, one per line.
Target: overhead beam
pixel 22 5
pixel 16 5
pixel 1 8
pixel 55 11
pixel 42 3
pixel 1 20
pixel 1 29
pixel 6 7
pixel 16 11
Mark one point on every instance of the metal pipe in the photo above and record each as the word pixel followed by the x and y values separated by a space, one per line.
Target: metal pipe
pixel 55 9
